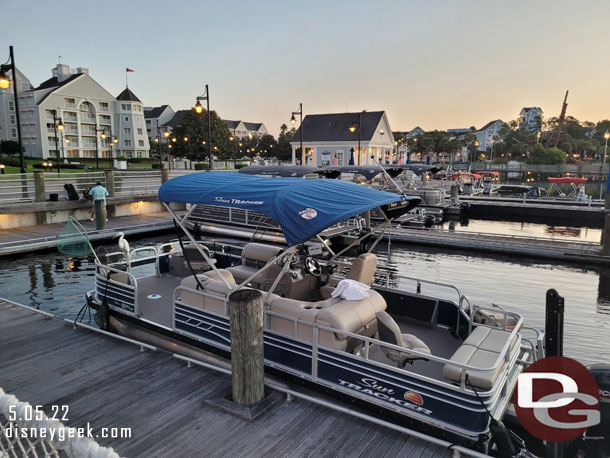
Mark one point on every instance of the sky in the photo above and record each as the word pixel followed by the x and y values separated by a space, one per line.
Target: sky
pixel 437 64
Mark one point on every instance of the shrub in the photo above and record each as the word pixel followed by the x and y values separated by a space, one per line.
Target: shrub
pixel 121 158
pixel 239 166
pixel 61 166
pixel 10 161
pixel 156 165
pixel 202 166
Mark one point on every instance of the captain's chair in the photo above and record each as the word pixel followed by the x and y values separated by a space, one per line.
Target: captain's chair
pixel 390 332
pixel 362 270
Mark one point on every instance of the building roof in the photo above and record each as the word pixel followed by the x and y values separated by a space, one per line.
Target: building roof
pixel 253 126
pixel 53 83
pixel 231 124
pixel 526 109
pixel 335 126
pixel 154 112
pixel 488 125
pixel 127 95
pixel 177 119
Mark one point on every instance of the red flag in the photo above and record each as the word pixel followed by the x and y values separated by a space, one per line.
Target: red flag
pixel 129 70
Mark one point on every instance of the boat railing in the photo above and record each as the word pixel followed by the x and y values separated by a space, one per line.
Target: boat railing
pixel 104 274
pixel 504 356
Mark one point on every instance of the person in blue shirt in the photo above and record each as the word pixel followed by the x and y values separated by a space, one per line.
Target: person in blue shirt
pixel 98 192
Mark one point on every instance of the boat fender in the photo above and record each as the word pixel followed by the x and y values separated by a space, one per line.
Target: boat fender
pixel 104 315
pixel 503 440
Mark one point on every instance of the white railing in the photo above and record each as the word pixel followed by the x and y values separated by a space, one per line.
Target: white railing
pixel 17 188
pixel 54 182
pixel 136 183
pixel 57 440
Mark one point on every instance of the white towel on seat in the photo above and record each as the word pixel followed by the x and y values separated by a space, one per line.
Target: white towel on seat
pixel 351 290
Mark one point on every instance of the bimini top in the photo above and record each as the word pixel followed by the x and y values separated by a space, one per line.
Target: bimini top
pixel 303 208
pixel 573 180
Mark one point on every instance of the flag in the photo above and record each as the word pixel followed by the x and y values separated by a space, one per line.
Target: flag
pixel 129 70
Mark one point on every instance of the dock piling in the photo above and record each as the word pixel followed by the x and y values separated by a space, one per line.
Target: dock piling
pixel 553 335
pixel 100 214
pixel 247 364
pixel 606 235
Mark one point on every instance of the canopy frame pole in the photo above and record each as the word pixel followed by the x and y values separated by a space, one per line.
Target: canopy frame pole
pixel 201 251
pixel 387 175
pixel 386 226
pixel 285 267
pixel 188 213
pixel 326 245
pixel 368 234
pixel 265 267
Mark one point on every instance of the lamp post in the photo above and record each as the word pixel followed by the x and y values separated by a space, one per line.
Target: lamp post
pixel 113 141
pixel 97 147
pixel 293 121
pixel 57 125
pixel 606 137
pixel 538 135
pixel 353 128
pixel 66 141
pixel 199 109
pixel 159 150
pixel 169 152
pixel 4 84
pixel 187 140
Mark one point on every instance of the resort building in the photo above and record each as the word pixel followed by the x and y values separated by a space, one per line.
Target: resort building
pixel 530 115
pixel 344 139
pixel 8 117
pixel 243 129
pixel 156 120
pixel 488 134
pixel 90 118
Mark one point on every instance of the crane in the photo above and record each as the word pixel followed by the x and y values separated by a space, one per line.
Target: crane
pixel 562 120
pixel 124 247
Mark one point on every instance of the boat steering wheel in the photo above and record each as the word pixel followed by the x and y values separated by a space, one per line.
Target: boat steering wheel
pixel 312 266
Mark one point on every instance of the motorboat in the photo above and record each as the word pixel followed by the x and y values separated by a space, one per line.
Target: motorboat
pixel 414 351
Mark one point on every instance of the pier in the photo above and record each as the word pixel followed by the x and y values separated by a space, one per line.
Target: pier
pixel 109 382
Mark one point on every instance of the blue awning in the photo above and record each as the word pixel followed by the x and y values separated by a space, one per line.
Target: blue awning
pixel 303 208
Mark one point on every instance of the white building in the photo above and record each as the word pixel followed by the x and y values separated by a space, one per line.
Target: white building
pixel 529 115
pixel 488 134
pixel 87 112
pixel 328 136
pixel 417 132
pixel 8 118
pixel 156 120
pixel 243 129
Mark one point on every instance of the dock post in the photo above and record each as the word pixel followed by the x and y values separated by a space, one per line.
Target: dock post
pixel 367 218
pixel 100 214
pixel 247 360
pixel 109 179
pixel 40 194
pixel 606 235
pixel 553 332
pixel 164 175
pixel 454 193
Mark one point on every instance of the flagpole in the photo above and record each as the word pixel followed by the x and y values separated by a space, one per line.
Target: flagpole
pixel 126 73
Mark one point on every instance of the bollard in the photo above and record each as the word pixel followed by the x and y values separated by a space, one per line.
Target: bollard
pixel 247 355
pixel 553 328
pixel 367 218
pixel 109 178
pixel 39 189
pixel 100 214
pixel 164 175
pixel 606 235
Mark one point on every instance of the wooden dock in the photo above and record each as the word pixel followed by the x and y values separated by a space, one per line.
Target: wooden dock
pixel 110 383
pixel 536 247
pixel 44 237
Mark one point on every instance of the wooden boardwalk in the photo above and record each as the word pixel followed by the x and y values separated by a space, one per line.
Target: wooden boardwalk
pixel 110 383
pixel 41 237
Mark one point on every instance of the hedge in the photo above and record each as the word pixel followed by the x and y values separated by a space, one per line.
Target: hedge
pixel 202 166
pixel 10 161
pixel 239 166
pixel 61 166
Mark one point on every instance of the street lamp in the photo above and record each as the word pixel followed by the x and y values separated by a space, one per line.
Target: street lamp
pixel 353 128
pixel 199 109
pixel 97 147
pixel 4 84
pixel 293 121
pixel 169 152
pixel 606 137
pixel 188 141
pixel 57 125
pixel 538 135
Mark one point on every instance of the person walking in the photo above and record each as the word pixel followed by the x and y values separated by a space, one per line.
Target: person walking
pixel 98 192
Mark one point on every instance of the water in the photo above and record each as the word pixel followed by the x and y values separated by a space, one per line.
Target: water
pixel 57 284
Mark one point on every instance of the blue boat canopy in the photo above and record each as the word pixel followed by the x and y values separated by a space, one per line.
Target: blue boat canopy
pixel 303 208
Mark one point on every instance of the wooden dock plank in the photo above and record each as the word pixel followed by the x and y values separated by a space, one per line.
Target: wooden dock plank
pixel 110 383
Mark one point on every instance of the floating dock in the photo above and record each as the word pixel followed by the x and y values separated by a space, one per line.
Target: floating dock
pixel 109 382
pixel 537 247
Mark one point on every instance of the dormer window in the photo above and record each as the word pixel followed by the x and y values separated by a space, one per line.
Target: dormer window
pixel 126 106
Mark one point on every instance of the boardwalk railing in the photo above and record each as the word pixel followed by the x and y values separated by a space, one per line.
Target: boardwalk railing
pixel 17 188
pixel 26 431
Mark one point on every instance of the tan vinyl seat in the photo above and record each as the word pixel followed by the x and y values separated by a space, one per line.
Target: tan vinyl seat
pixel 389 332
pixel 481 349
pixel 362 270
pixel 197 260
pixel 254 257
pixel 357 317
pixel 211 283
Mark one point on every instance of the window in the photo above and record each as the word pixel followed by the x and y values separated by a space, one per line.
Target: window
pixel 127 130
pixel 137 108
pixel 148 121
pixel 11 105
pixel 104 106
pixel 148 130
pixel 69 102
pixel 126 118
pixel 140 142
pixel 139 131
pixel 127 142
pixel 14 133
pixel 13 119
pixel 125 106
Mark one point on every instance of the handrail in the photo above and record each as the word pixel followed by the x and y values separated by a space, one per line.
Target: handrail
pixel 136 308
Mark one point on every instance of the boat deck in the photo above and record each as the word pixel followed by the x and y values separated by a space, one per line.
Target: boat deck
pixel 110 383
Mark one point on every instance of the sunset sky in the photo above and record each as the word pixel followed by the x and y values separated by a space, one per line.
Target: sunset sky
pixel 436 64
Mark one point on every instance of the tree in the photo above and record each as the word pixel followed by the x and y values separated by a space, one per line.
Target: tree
pixel 194 126
pixel 9 147
pixel 541 155
pixel 283 150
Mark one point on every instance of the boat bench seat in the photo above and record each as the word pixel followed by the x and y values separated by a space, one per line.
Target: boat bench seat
pixel 254 256
pixel 481 348
pixel 357 316
pixel 211 283
pixel 361 270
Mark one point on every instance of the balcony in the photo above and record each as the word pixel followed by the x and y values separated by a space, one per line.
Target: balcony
pixel 88 118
